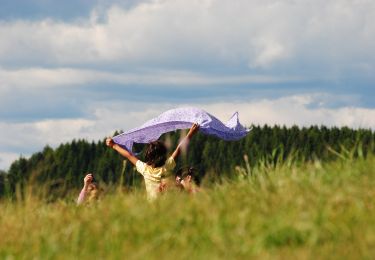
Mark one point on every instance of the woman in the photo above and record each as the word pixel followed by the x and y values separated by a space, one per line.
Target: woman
pixel 89 192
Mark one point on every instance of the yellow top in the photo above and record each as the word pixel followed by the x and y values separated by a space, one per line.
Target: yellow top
pixel 153 176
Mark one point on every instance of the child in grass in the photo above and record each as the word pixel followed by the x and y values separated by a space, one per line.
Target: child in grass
pixel 158 167
pixel 89 191
pixel 187 180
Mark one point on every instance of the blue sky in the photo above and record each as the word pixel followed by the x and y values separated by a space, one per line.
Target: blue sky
pixel 83 68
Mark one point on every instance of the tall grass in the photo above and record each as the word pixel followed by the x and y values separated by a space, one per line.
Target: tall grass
pixel 272 211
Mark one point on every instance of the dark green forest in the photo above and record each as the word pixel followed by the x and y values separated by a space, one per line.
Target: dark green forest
pixel 64 167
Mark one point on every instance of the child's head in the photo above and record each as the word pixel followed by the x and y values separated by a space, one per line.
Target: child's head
pixel 186 176
pixel 156 154
pixel 93 192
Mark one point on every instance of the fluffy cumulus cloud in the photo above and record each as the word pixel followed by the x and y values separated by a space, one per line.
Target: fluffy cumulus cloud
pixel 117 65
pixel 253 34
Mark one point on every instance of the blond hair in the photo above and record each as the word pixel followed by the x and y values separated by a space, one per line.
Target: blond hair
pixel 93 193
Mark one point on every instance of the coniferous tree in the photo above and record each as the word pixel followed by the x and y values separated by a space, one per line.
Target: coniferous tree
pixel 66 165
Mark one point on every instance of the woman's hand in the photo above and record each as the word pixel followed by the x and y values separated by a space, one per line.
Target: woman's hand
pixel 88 179
pixel 194 128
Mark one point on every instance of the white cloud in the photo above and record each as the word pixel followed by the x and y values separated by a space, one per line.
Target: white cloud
pixel 51 78
pixel 7 158
pixel 165 43
pixel 296 110
pixel 105 118
pixel 44 78
pixel 24 136
pixel 262 34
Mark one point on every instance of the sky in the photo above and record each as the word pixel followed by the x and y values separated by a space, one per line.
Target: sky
pixel 84 68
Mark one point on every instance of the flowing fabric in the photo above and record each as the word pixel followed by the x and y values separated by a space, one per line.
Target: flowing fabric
pixel 182 118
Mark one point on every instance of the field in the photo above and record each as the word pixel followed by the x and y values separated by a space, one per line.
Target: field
pixel 307 211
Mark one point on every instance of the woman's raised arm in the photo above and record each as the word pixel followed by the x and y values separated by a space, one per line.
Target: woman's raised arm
pixel 185 141
pixel 109 142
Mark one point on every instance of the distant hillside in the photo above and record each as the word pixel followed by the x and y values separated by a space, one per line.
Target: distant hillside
pixel 64 167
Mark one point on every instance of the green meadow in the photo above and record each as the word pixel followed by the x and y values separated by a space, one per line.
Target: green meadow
pixel 288 211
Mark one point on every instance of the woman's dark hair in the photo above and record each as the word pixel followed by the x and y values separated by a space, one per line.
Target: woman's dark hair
pixel 185 171
pixel 156 154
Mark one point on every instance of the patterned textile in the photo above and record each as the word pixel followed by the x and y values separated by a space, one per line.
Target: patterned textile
pixel 182 118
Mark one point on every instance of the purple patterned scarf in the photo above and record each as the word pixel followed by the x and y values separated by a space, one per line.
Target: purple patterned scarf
pixel 182 118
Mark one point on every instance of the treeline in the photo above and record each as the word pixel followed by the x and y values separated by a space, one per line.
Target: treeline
pixel 64 167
